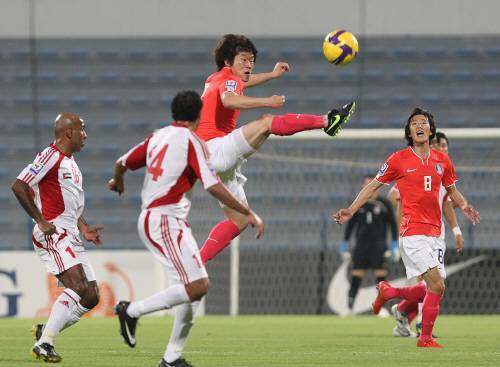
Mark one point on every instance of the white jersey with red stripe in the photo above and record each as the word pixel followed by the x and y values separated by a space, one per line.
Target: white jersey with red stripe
pixel 174 158
pixel 57 185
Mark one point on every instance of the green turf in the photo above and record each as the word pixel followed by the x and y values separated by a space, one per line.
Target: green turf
pixel 265 341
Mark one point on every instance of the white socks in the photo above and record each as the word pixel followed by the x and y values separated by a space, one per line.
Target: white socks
pixel 184 320
pixel 168 298
pixel 65 311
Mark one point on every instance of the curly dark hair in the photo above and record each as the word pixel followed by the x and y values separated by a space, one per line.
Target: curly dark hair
pixel 430 117
pixel 229 46
pixel 186 106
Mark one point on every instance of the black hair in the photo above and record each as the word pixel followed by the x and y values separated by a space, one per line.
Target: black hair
pixel 186 106
pixel 440 136
pixel 229 46
pixel 430 118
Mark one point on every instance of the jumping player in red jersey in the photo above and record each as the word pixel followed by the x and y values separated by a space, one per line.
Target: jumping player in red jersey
pixel 174 158
pixel 51 191
pixel 419 173
pixel 223 99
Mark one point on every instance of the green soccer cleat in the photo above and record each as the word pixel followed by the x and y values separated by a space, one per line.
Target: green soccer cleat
pixel 337 118
pixel 46 353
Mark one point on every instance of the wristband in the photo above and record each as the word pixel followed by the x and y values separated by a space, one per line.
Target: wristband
pixel 456 231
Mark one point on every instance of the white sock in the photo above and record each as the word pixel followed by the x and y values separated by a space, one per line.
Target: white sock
pixel 183 321
pixel 76 314
pixel 168 298
pixel 60 315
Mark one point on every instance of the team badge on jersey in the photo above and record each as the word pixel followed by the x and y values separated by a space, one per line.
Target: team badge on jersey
pixel 36 168
pixel 439 169
pixel 67 175
pixel 231 85
pixel 382 170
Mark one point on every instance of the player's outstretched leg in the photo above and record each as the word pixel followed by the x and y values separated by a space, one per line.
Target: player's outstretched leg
pixel 46 353
pixel 289 124
pixel 384 290
pixel 128 324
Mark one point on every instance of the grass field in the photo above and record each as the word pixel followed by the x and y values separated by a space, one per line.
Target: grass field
pixel 264 341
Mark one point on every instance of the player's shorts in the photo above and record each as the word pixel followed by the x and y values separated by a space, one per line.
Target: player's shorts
pixel 171 242
pixel 369 256
pixel 61 251
pixel 421 253
pixel 227 155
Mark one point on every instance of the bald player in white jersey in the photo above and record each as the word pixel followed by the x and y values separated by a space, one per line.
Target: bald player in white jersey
pixel 51 191
pixel 174 158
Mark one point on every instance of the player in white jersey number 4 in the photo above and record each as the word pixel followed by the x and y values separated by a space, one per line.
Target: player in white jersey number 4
pixel 51 191
pixel 174 158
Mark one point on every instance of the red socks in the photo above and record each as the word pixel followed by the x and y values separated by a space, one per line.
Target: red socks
pixel 430 311
pixel 408 308
pixel 414 293
pixel 290 123
pixel 220 236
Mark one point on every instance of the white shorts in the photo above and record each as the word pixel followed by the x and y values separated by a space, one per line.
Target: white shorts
pixel 227 155
pixel 61 251
pixel 171 242
pixel 421 253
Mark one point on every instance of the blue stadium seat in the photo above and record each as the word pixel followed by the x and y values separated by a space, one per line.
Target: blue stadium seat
pixel 374 52
pixel 457 121
pixel 20 54
pixel 460 99
pixel 432 74
pixel 109 77
pixel 108 55
pixel 466 52
pixel 79 100
pixel 436 52
pixel 492 75
pixel 137 53
pixel 168 77
pixel 138 77
pixel 23 100
pixel 374 75
pixel 462 75
pixel 108 101
pixel 137 125
pixel 22 76
pixel 48 77
pixel 317 76
pixel 169 53
pixel 492 99
pixel 432 99
pixel 405 52
pixel 404 75
pixel 401 99
pixel 48 100
pixel 138 101
pixel 346 75
pixel 288 54
pixel 78 54
pixel 47 54
pixel 493 51
pixel 79 77
pixel 487 121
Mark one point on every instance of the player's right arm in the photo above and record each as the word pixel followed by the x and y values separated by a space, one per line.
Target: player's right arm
pixel 387 173
pixel 134 159
pixel 343 215
pixel 31 176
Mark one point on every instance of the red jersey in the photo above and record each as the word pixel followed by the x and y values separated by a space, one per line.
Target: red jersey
pixel 419 181
pixel 217 120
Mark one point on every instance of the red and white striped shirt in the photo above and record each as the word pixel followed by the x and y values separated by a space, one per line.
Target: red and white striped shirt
pixel 174 157
pixel 57 184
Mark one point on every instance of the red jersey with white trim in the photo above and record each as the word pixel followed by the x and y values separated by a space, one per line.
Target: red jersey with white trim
pixel 215 119
pixel 57 184
pixel 174 158
pixel 419 181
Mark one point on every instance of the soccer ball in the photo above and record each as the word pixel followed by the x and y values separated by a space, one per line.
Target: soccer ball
pixel 340 47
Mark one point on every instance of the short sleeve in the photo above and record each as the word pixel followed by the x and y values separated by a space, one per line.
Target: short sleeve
pixel 231 85
pixel 135 158
pixel 43 163
pixel 389 170
pixel 449 175
pixel 199 162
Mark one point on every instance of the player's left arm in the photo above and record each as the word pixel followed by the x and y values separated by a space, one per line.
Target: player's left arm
pixel 451 218
pixel 469 211
pixel 256 79
pixel 449 179
pixel 343 215
pixel 89 232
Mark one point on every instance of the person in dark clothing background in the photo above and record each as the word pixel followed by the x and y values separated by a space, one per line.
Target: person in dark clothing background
pixel 371 224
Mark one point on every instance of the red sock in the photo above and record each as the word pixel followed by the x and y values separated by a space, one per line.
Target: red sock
pixel 409 308
pixel 291 123
pixel 413 293
pixel 430 311
pixel 220 236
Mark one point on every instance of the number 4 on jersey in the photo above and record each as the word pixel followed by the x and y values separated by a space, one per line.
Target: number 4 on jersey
pixel 155 167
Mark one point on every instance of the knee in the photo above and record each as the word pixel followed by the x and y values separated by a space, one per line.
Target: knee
pixel 197 289
pixel 437 287
pixel 241 222
pixel 80 287
pixel 92 296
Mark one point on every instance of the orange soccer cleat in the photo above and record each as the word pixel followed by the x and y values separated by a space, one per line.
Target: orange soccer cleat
pixel 428 343
pixel 381 297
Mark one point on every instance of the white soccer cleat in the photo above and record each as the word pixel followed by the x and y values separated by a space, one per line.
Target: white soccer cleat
pixel 402 327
